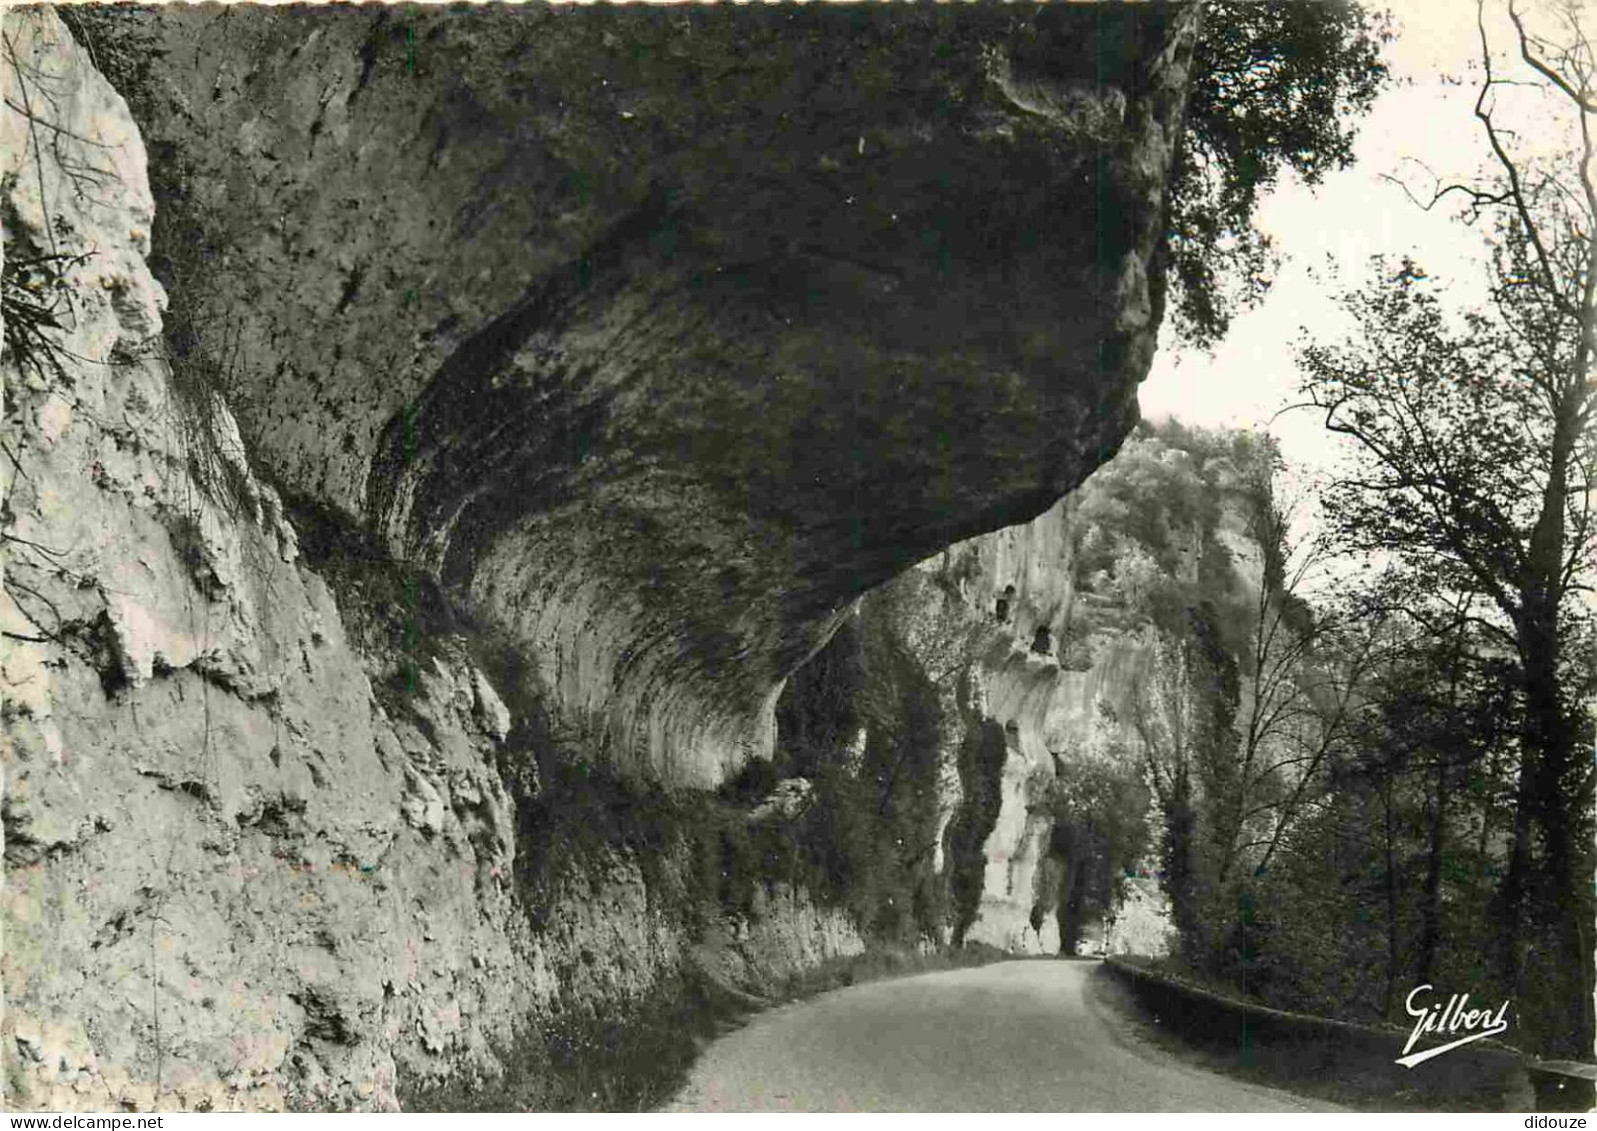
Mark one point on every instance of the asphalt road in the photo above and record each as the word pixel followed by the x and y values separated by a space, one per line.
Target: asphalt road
pixel 1015 1036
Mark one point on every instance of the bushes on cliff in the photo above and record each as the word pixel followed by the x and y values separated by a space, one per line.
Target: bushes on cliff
pixel 396 616
pixel 859 837
pixel 119 46
pixel 981 768
pixel 820 709
pixel 866 835
pixel 34 298
pixel 1147 540
pixel 1223 707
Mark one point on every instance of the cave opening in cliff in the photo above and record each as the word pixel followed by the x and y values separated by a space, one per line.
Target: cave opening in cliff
pixel 1002 609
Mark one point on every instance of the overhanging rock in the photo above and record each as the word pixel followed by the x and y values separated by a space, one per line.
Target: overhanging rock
pixel 660 334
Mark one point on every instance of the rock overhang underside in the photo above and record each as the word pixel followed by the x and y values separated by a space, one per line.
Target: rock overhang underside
pixel 659 335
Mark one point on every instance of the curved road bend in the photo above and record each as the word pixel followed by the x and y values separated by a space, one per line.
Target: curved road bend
pixel 1015 1036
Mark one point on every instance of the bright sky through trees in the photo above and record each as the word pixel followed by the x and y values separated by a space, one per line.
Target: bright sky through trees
pixel 1328 235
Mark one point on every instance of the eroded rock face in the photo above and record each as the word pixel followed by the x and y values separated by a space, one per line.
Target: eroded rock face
pixel 643 387
pixel 1044 676
pixel 237 876
pixel 660 334
pixel 1015 637
pixel 989 620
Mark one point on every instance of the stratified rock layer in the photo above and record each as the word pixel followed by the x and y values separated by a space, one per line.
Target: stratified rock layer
pixel 661 334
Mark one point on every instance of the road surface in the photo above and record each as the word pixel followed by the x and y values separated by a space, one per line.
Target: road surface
pixel 1015 1036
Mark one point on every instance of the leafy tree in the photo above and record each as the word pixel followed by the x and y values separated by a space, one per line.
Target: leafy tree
pixel 1221 654
pixel 1304 670
pixel 1477 452
pixel 1277 85
pixel 1442 709
pixel 1383 881
pixel 1183 712
pixel 861 724
pixel 1100 831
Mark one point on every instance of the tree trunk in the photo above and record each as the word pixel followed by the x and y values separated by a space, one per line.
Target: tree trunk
pixel 1180 880
pixel 1431 909
pixel 1393 950
pixel 1556 807
pixel 1508 909
pixel 1556 802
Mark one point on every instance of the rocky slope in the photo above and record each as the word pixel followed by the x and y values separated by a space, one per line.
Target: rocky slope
pixel 641 388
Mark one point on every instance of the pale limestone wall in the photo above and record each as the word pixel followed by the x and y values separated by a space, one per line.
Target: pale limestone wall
pixel 1051 705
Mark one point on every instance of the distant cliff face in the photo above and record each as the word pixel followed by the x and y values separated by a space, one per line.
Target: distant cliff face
pixel 659 335
pixel 1045 634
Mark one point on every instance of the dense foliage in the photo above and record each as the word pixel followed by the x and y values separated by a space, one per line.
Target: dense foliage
pixel 860 724
pixel 1338 780
pixel 1277 86
pixel 1449 830
pixel 1474 485
pixel 1100 832
pixel 1174 540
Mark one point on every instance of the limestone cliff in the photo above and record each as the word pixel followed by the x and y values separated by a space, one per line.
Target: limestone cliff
pixel 1045 633
pixel 239 873
pixel 537 390
pixel 659 335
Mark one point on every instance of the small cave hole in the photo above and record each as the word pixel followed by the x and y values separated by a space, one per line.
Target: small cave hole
pixel 1002 609
pixel 1043 642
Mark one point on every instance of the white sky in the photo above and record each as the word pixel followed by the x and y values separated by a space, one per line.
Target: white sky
pixel 1352 215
